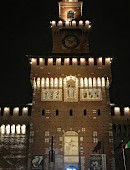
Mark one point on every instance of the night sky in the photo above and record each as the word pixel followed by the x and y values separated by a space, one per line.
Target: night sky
pixel 25 29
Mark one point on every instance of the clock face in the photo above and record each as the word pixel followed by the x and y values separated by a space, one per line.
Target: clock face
pixel 70 41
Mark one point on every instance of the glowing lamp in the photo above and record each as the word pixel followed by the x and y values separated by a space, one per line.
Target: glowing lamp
pixel 43 82
pixel 18 129
pixel 56 82
pixel 91 59
pixel 116 110
pixel 126 110
pixel 67 23
pixel 2 129
pixel 6 109
pixel 53 23
pixel 60 23
pixel 80 23
pixel 23 129
pixel 25 110
pixel 41 60
pixel 73 23
pixel 74 60
pixel 60 82
pixel 87 23
pixel 100 59
pixel 50 60
pixel 107 59
pixel 16 110
pixel 13 129
pixel 33 60
pixel 82 59
pixel 59 59
pixel 7 129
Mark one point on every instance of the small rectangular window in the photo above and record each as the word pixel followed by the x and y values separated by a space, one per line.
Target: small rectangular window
pixel 71 112
pixel 43 112
pixel 85 112
pixel 99 112
pixel 57 112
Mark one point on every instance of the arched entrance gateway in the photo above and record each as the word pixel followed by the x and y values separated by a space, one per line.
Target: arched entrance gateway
pixel 71 168
pixel 71 150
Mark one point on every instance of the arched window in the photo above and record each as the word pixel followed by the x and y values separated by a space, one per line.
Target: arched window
pixel 70 15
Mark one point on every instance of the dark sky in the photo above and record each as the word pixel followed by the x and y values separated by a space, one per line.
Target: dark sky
pixel 25 29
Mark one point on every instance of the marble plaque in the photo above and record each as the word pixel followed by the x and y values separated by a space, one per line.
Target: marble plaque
pixel 70 89
pixel 92 94
pixel 51 94
pixel 71 151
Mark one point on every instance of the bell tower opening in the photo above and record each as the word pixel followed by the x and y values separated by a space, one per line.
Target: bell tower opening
pixel 70 15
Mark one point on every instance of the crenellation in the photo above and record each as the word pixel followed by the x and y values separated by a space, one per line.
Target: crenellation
pixel 52 82
pixel 120 111
pixel 89 61
pixel 11 129
pixel 15 111
pixel 71 24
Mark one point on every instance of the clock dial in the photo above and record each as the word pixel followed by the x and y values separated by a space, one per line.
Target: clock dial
pixel 70 41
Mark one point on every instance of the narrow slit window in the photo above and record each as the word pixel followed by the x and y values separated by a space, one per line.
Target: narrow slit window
pixel 43 112
pixel 71 112
pixel 98 112
pixel 85 112
pixel 57 112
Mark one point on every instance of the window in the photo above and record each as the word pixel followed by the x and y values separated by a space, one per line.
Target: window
pixel 94 133
pixel 83 129
pixel 85 112
pixel 57 112
pixel 70 14
pixel 58 129
pixel 98 112
pixel 46 140
pixel 47 133
pixel 81 139
pixel 43 112
pixel 95 140
pixel 71 112
pixel 110 133
pixel 110 140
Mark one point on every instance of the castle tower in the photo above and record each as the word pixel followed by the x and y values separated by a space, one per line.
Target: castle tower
pixel 70 34
pixel 71 96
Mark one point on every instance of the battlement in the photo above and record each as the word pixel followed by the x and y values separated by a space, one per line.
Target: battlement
pixel 58 82
pixel 7 129
pixel 6 111
pixel 71 24
pixel 52 60
pixel 120 111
